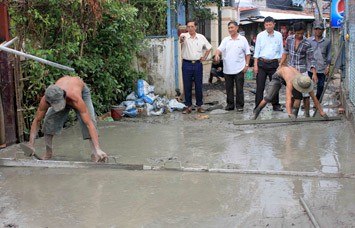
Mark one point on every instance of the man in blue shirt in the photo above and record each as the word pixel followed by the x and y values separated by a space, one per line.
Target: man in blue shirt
pixel 268 51
pixel 323 55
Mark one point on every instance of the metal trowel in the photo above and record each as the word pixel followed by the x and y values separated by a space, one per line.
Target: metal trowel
pixel 28 151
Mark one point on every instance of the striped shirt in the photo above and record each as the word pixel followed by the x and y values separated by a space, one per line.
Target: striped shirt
pixel 300 57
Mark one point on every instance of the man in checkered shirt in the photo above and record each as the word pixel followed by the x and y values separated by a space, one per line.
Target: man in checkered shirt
pixel 300 56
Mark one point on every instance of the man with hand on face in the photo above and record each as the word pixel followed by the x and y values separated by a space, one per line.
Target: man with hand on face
pixel 193 46
pixel 268 51
pixel 235 51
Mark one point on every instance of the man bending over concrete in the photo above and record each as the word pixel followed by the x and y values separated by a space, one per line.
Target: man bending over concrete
pixel 296 84
pixel 66 94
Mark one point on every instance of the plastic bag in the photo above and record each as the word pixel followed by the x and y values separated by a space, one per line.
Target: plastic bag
pixel 131 112
pixel 129 104
pixel 139 102
pixel 149 98
pixel 142 88
pixel 175 105
pixel 131 97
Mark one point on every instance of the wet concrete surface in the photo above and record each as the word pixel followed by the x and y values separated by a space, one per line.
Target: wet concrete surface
pixel 50 197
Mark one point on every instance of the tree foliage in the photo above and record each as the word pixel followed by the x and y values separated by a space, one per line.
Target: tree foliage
pixel 98 39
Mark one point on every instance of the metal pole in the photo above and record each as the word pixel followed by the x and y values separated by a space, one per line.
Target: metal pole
pixel 12 51
pixel 330 75
pixel 309 213
pixel 8 43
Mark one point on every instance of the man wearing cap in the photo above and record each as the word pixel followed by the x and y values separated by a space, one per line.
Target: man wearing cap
pixel 296 85
pixel 66 94
pixel 323 55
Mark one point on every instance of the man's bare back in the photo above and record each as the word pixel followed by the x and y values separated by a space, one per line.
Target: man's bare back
pixel 70 90
pixel 73 86
pixel 288 73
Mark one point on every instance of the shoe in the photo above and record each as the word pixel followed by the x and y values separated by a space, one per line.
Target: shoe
pixel 201 110
pixel 240 109
pixel 187 110
pixel 229 108
pixel 210 80
pixel 278 109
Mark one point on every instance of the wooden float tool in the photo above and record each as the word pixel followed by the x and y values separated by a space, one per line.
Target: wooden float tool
pixel 275 121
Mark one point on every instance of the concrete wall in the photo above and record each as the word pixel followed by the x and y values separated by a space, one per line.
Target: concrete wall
pixel 228 13
pixel 157 61
pixel 214 30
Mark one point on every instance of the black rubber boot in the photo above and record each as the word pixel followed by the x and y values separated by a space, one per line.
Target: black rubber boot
pixel 210 79
pixel 256 113
pixel 295 111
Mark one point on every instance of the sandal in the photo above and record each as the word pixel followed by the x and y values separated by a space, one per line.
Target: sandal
pixel 187 110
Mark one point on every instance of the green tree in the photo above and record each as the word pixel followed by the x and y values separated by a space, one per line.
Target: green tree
pixel 97 38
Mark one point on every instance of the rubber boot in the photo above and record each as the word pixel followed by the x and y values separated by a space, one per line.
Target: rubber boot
pixel 210 79
pixel 256 113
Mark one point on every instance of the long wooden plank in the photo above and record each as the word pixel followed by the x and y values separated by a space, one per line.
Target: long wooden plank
pixel 273 121
pixel 10 162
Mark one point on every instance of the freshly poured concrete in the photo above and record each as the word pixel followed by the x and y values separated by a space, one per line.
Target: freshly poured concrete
pixel 37 197
pixel 60 197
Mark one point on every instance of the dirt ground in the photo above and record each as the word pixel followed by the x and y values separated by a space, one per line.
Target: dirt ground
pixel 276 159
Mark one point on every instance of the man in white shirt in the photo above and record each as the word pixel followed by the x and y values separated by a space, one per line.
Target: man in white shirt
pixel 235 51
pixel 193 46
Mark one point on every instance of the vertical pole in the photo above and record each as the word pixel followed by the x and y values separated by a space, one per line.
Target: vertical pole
pixel 4 35
pixel 2 126
pixel 319 6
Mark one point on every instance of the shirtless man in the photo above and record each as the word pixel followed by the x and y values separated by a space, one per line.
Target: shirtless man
pixel 296 84
pixel 66 94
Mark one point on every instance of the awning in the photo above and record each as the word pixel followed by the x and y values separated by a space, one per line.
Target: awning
pixel 259 15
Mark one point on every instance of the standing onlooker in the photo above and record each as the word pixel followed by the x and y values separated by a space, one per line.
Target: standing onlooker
pixel 236 57
pixel 193 45
pixel 268 51
pixel 300 55
pixel 322 53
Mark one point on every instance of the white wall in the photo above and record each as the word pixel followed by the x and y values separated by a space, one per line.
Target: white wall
pixel 228 14
pixel 157 61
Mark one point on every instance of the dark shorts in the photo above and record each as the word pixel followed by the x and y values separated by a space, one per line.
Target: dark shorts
pixel 297 95
pixel 274 87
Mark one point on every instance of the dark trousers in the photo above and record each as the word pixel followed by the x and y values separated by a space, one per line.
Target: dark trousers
pixel 265 70
pixel 320 84
pixel 238 79
pixel 192 72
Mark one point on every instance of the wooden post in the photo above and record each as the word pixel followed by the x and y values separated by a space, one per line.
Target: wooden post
pixel 2 126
